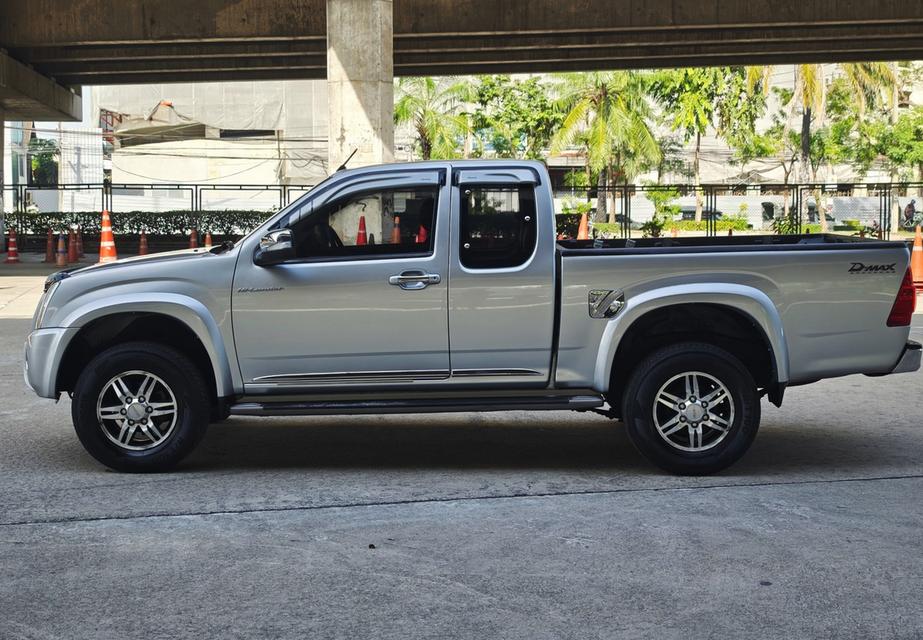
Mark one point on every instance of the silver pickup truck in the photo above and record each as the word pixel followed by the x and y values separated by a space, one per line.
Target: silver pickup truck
pixel 441 286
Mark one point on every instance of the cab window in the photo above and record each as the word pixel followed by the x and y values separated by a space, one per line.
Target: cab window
pixel 497 225
pixel 375 224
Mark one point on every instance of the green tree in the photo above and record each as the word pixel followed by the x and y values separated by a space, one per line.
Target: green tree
pixel 43 160
pixel 902 145
pixel 435 109
pixel 516 118
pixel 697 99
pixel 777 143
pixel 609 114
pixel 867 83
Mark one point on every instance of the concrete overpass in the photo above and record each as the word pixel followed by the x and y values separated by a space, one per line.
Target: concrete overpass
pixel 51 47
pixel 118 41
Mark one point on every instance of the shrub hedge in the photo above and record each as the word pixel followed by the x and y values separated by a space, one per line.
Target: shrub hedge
pixel 166 223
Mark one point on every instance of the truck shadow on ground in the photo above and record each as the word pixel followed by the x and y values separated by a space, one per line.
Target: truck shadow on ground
pixel 479 442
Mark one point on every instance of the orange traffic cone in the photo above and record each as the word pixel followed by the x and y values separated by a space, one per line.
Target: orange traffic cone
pixel 79 243
pixel 422 235
pixel 71 246
pixel 106 241
pixel 61 260
pixel 361 237
pixel 916 260
pixel 583 231
pixel 396 231
pixel 49 248
pixel 142 244
pixel 208 239
pixel 193 238
pixel 674 232
pixel 12 255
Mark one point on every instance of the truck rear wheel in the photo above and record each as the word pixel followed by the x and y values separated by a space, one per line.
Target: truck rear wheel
pixel 140 407
pixel 691 408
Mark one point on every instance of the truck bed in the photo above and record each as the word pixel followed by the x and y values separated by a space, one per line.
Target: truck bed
pixel 828 295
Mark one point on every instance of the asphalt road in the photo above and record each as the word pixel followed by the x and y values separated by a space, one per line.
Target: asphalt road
pixel 523 525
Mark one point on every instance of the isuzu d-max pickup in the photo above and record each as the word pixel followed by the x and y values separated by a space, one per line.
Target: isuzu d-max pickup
pixel 441 286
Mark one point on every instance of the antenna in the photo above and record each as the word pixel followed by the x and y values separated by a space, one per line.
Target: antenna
pixel 345 162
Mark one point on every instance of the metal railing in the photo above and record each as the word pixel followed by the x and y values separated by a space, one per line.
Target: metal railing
pixel 113 196
pixel 875 208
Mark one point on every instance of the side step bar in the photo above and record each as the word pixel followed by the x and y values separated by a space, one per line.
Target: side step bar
pixel 425 405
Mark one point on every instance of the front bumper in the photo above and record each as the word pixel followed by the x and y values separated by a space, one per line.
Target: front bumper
pixel 42 356
pixel 910 358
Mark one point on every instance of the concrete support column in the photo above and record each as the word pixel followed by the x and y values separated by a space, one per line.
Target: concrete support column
pixel 360 82
pixel 2 183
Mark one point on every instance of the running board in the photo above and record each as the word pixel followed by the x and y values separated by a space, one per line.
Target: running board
pixel 435 405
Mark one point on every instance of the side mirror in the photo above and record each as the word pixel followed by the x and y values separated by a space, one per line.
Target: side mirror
pixel 275 248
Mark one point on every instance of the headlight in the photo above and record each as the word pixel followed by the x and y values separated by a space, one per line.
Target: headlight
pixel 43 305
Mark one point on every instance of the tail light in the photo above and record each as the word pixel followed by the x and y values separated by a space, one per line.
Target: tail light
pixel 902 310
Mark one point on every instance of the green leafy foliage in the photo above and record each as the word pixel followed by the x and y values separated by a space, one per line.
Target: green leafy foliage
pixel 611 116
pixel 567 224
pixel 434 108
pixel 653 228
pixel 785 225
pixel 727 223
pixel 514 118
pixel 166 223
pixel 43 155
pixel 662 198
pixel 902 144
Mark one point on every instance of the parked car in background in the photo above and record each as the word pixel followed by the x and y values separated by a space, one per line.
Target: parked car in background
pixel 687 212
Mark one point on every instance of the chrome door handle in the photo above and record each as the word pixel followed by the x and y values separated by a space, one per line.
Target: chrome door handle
pixel 413 280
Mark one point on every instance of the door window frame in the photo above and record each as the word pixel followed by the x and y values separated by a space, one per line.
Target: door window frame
pixel 353 194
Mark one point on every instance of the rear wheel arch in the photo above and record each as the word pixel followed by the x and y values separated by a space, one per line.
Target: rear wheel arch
pixel 721 325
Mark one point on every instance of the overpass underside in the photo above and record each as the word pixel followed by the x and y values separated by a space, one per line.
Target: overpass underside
pixel 117 42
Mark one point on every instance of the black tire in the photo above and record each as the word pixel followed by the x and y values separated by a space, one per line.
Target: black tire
pixel 712 449
pixel 179 377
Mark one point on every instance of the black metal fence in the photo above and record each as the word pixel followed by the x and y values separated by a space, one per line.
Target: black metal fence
pixel 619 211
pixel 860 208
pixel 108 195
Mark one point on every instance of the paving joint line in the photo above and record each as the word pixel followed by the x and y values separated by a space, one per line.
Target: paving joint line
pixel 395 503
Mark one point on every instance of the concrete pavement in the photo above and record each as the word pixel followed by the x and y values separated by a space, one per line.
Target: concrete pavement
pixel 523 525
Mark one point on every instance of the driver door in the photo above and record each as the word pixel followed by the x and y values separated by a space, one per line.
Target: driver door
pixel 363 302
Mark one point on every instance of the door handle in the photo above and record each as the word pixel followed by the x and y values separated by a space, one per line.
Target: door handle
pixel 414 280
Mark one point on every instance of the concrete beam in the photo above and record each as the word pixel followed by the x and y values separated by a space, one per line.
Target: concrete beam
pixel 112 42
pixel 41 23
pixel 27 95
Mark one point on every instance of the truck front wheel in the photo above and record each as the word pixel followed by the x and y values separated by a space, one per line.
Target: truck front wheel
pixel 691 408
pixel 140 407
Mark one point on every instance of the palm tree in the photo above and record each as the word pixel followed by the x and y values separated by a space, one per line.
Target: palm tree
pixel 695 100
pixel 609 114
pixel 434 108
pixel 866 80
